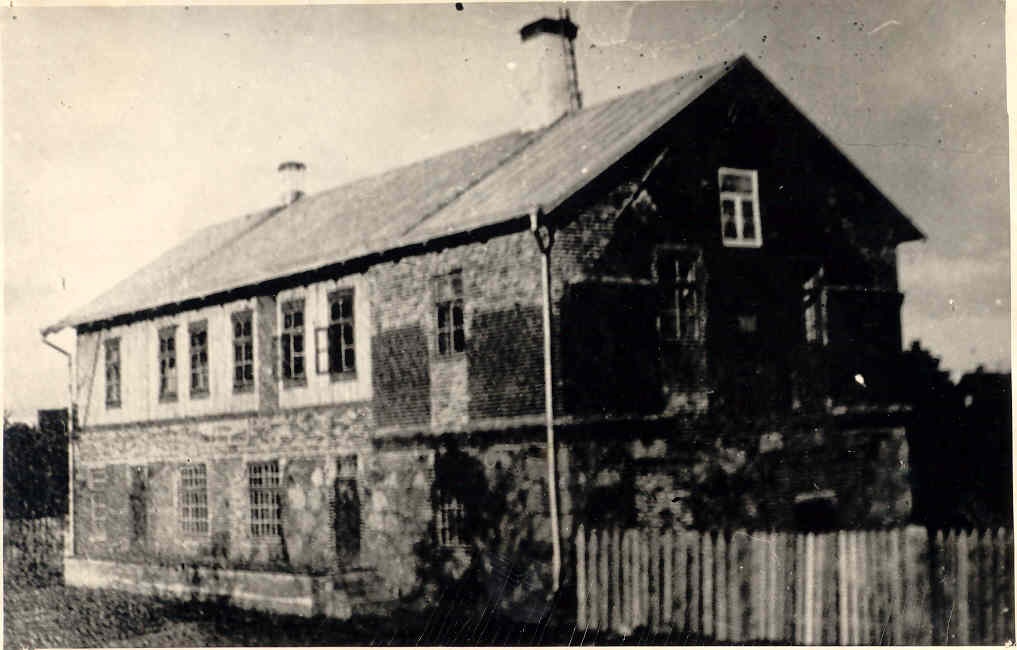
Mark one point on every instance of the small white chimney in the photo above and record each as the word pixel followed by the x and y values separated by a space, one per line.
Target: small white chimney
pixel 557 91
pixel 292 173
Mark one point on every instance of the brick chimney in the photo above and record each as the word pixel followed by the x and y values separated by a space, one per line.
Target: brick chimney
pixel 557 91
pixel 292 173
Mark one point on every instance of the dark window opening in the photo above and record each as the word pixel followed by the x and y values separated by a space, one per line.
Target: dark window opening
pixel 113 373
pixel 451 330
pixel 292 342
pixel 168 363
pixel 243 352
pixel 199 358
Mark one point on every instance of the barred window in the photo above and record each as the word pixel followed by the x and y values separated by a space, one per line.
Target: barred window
pixel 814 309
pixel 449 521
pixel 448 294
pixel 292 341
pixel 194 499
pixel 243 353
pixel 168 363
pixel 113 373
pixel 97 500
pixel 199 358
pixel 336 353
pixel 265 487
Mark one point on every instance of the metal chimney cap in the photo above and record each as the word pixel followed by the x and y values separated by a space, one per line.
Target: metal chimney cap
pixel 292 164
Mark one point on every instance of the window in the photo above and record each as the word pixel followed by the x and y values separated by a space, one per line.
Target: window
pixel 448 292
pixel 113 373
pixel 739 207
pixel 292 342
pixel 450 518
pixel 194 499
pixel 679 274
pixel 243 353
pixel 97 500
pixel 336 353
pixel 168 363
pixel 814 309
pixel 199 358
pixel 266 499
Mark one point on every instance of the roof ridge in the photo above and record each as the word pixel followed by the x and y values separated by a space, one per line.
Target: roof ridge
pixel 529 140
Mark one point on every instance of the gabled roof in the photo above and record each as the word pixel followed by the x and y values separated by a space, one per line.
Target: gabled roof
pixel 481 185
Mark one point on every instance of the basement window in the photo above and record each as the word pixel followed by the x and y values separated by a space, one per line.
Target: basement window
pixel 243 352
pixel 113 373
pixel 194 499
pixel 168 364
pixel 679 275
pixel 739 207
pixel 199 358
pixel 265 491
pixel 292 342
pixel 335 348
pixel 448 296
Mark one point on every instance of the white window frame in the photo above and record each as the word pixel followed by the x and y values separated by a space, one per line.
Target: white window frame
pixel 265 495
pixel 737 198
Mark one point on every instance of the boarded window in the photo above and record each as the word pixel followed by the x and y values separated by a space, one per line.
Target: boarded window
pixel 113 373
pixel 739 207
pixel 292 342
pixel 450 323
pixel 243 352
pixel 265 490
pixel 97 500
pixel 335 345
pixel 168 363
pixel 199 358
pixel 194 499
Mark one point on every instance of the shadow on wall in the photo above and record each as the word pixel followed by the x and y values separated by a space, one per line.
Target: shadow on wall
pixel 486 546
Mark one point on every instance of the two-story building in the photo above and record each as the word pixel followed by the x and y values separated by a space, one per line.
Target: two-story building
pixel 302 408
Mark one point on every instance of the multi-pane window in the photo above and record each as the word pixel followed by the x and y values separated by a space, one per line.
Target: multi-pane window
pixel 678 273
pixel 265 489
pixel 243 352
pixel 199 358
pixel 451 332
pixel 335 348
pixel 739 207
pixel 168 363
pixel 814 309
pixel 113 372
pixel 97 500
pixel 194 499
pixel 450 519
pixel 292 341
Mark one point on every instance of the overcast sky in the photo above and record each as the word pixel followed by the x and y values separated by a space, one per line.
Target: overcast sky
pixel 126 130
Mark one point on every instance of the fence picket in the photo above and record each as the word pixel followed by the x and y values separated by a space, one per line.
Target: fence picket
pixel 695 584
pixel 680 585
pixel 581 589
pixel 720 588
pixel 605 581
pixel 617 612
pixel 666 575
pixel 735 580
pixel 707 574
pixel 593 597
pixel 653 581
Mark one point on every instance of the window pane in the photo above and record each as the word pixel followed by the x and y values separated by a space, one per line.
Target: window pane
pixel 298 343
pixel 349 358
pixel 458 340
pixel 287 321
pixel 347 307
pixel 443 315
pixel 348 334
pixel 741 183
pixel 298 319
pixel 748 223
pixel 298 367
pixel 249 373
pixel 457 315
pixel 443 341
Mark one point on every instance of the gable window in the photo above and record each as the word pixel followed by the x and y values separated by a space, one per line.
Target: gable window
pixel 335 349
pixel 814 309
pixel 679 274
pixel 199 358
pixel 97 501
pixel 739 207
pixel 168 363
pixel 292 342
pixel 448 295
pixel 113 373
pixel 243 352
pixel 265 492
pixel 194 499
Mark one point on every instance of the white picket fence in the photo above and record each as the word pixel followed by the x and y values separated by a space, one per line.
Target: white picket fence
pixel 897 586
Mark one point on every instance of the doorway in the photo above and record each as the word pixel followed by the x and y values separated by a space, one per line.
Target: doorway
pixel 346 518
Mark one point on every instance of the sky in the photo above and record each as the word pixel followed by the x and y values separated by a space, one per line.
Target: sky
pixel 127 129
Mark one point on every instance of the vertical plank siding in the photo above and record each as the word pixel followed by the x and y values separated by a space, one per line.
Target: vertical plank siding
pixel 903 586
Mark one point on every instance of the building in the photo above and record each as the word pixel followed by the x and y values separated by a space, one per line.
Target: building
pixel 321 404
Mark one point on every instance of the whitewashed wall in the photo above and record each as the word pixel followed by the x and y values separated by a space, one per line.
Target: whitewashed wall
pixel 321 388
pixel 139 359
